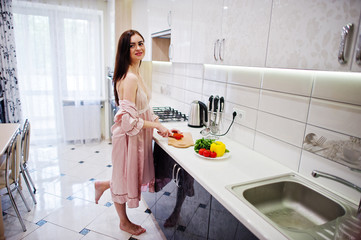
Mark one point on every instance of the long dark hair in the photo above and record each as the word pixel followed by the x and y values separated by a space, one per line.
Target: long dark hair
pixel 122 59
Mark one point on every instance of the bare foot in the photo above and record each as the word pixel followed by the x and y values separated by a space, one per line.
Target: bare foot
pixel 132 228
pixel 99 190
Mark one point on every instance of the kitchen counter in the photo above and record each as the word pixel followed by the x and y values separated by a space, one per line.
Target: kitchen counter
pixel 242 166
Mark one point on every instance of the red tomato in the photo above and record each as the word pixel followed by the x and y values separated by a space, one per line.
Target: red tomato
pixel 178 136
pixel 213 154
pixel 206 153
pixel 200 151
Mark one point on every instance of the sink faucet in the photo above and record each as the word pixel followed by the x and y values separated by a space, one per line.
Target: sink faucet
pixel 316 174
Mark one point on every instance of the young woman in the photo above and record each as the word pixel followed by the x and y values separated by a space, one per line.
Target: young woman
pixel 132 132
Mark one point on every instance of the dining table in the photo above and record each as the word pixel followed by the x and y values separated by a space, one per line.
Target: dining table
pixel 7 132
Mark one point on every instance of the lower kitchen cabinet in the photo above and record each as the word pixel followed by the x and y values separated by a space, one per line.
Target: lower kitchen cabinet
pixel 185 210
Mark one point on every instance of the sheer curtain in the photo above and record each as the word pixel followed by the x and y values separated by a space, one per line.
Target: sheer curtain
pixel 60 68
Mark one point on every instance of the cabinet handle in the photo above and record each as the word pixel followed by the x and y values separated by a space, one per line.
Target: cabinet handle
pixel 358 51
pixel 173 172
pixel 169 18
pixel 221 50
pixel 177 177
pixel 215 50
pixel 341 52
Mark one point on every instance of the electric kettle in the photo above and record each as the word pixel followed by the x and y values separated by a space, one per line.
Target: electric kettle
pixel 197 114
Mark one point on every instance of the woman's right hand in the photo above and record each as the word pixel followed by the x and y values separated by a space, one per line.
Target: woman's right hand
pixel 163 131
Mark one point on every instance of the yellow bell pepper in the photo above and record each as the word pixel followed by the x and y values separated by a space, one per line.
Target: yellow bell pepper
pixel 219 148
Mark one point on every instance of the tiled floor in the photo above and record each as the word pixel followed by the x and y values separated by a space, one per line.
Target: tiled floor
pixel 64 176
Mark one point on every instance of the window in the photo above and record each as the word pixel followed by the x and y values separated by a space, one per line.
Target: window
pixel 59 54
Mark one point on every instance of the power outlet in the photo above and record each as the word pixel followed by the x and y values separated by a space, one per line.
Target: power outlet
pixel 241 115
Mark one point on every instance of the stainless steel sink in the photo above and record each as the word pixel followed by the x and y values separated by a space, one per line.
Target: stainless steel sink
pixel 297 207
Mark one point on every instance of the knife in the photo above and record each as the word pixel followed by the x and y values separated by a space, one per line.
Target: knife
pixel 215 108
pixel 221 104
pixel 215 103
pixel 210 103
pixel 220 110
pixel 210 110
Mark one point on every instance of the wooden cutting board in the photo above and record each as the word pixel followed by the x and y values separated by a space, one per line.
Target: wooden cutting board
pixel 185 142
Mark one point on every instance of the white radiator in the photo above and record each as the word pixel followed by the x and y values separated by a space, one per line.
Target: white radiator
pixel 82 122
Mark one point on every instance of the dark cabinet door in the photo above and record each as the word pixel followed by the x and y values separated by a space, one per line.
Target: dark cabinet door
pixel 184 209
pixel 223 225
pixel 198 208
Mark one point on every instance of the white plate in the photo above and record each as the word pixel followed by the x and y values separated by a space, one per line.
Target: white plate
pixel 226 155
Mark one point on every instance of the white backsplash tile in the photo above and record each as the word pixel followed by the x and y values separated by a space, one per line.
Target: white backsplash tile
pixel 205 99
pixel 279 151
pixel 177 93
pixel 179 81
pixel 174 103
pixel 155 77
pixel 165 67
pixel 285 105
pixel 214 88
pixel 156 87
pixel 339 117
pixel 195 70
pixel 183 108
pixel 288 81
pixel 251 77
pixel 284 129
pixel 242 135
pixel 337 86
pixel 190 96
pixel 310 162
pixel 216 73
pixel 194 84
pixel 179 69
pixel 245 96
pixel 160 100
pixel 163 78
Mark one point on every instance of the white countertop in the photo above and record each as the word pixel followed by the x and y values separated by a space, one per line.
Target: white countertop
pixel 242 166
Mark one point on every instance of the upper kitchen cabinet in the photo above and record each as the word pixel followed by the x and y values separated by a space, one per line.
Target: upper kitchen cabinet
pixel 160 15
pixel 231 32
pixel 181 13
pixel 307 34
pixel 356 58
pixel 171 20
pixel 206 31
pixel 245 28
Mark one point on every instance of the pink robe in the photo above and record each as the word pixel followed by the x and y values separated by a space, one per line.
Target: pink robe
pixel 132 155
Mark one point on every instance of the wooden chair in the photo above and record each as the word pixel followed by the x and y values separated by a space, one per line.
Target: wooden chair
pixel 25 143
pixel 9 178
